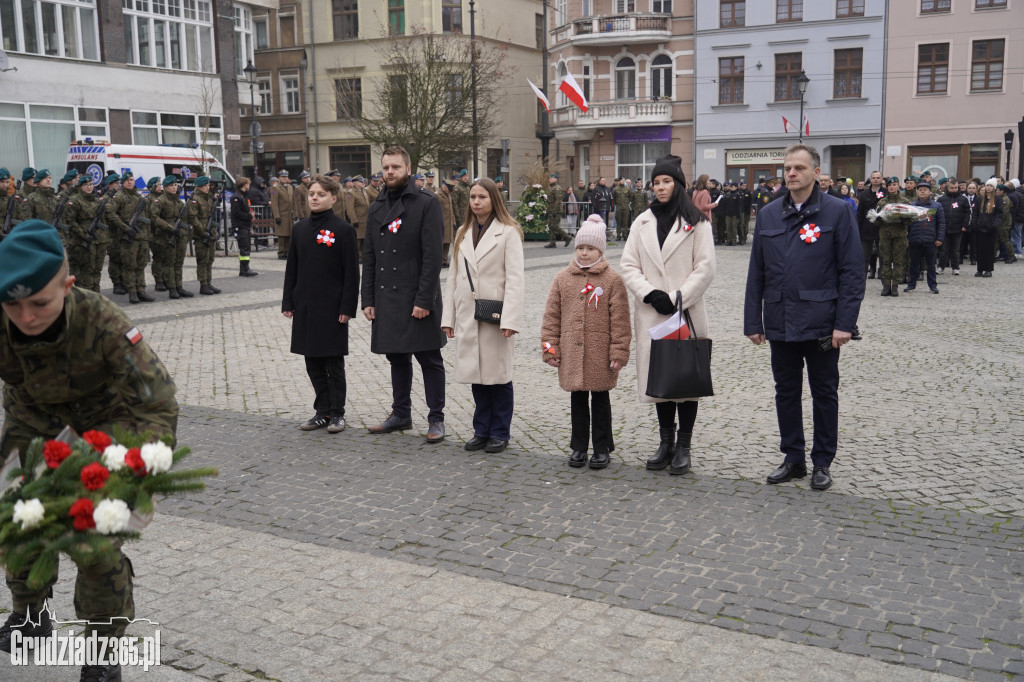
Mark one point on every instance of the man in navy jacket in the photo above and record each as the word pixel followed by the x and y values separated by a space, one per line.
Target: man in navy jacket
pixel 925 237
pixel 804 289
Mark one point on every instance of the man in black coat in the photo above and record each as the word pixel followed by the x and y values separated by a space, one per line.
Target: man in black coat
pixel 402 291
pixel 321 290
pixel 958 217
pixel 868 199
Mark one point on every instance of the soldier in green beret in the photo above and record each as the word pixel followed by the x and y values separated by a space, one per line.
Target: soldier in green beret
pixel 173 245
pixel 115 268
pixel 42 203
pixel 156 246
pixel 6 201
pixel 78 215
pixel 127 213
pixel 203 239
pixel 28 186
pixel 554 214
pixel 69 356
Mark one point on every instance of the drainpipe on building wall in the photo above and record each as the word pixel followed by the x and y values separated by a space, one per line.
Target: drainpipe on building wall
pixel 316 109
pixel 885 66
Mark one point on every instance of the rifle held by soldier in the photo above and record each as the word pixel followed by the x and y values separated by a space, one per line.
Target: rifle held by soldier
pixel 97 222
pixel 136 220
pixel 181 224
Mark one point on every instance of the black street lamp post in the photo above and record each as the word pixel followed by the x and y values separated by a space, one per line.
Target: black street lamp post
pixel 472 46
pixel 1008 141
pixel 254 127
pixel 801 83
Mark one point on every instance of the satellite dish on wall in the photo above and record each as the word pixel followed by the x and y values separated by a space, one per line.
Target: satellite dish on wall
pixel 5 63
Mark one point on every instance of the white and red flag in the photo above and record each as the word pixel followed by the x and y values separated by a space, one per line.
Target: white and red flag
pixel 540 95
pixel 787 124
pixel 571 89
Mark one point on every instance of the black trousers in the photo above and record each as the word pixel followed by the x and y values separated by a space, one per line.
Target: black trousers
pixel 244 243
pixel 601 404
pixel 870 259
pixel 788 359
pixel 951 250
pixel 433 383
pixel 495 404
pixel 985 251
pixel 687 410
pixel 328 378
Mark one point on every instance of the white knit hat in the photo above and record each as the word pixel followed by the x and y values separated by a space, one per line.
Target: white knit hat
pixel 593 232
pixel 992 181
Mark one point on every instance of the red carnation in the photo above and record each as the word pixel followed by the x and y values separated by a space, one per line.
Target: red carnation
pixel 133 459
pixel 81 512
pixel 94 476
pixel 99 440
pixel 55 452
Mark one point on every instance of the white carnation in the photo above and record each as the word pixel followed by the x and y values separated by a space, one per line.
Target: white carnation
pixel 157 456
pixel 532 204
pixel 111 516
pixel 28 513
pixel 528 218
pixel 538 186
pixel 113 457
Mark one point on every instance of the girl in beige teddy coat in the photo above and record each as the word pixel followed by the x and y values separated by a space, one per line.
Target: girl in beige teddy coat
pixel 585 334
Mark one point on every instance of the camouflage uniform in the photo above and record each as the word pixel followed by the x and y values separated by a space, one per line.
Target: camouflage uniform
pixel 43 204
pixel 460 202
pixel 89 377
pixel 640 202
pixel 21 208
pixel 622 205
pixel 135 242
pixel 78 215
pixel 166 243
pixel 157 243
pixel 200 209
pixel 892 247
pixel 555 215
pixel 115 267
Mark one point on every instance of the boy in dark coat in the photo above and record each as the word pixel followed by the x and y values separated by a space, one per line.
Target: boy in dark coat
pixel 321 289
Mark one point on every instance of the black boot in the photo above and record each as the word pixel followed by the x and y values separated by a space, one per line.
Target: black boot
pixel 100 673
pixel 212 288
pixel 184 293
pixel 681 458
pixel 173 293
pixel 205 290
pixel 160 286
pixel 895 289
pixel 119 289
pixel 886 289
pixel 144 297
pixel 133 297
pixel 26 624
pixel 665 451
pixel 244 270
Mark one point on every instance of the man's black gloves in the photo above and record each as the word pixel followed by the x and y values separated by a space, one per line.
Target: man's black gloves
pixel 661 302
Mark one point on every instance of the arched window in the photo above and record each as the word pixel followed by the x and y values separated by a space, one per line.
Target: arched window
pixel 661 77
pixel 625 79
pixel 563 101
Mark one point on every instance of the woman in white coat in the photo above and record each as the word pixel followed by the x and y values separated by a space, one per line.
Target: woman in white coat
pixel 670 249
pixel 489 249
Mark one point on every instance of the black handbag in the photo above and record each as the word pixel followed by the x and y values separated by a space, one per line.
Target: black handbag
pixel 680 368
pixel 485 309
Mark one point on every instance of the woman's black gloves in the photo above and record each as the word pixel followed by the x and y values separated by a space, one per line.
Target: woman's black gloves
pixel 661 302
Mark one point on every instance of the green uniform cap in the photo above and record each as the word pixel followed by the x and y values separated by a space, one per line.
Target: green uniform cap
pixel 153 182
pixel 171 180
pixel 70 175
pixel 892 180
pixel 202 180
pixel 127 176
pixel 28 173
pixel 498 179
pixel 463 172
pixel 29 258
pixel 4 174
pixel 84 179
pixel 42 173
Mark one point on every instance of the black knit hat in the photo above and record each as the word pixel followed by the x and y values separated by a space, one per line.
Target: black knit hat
pixel 669 165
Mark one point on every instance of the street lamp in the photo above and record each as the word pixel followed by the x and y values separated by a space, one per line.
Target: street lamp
pixel 1008 141
pixel 801 84
pixel 254 132
pixel 472 46
pixel 303 63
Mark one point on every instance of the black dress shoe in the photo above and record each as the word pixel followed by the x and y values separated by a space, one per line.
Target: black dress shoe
pixel 435 433
pixel 475 443
pixel 821 479
pixel 599 460
pixel 392 423
pixel 787 472
pixel 317 422
pixel 578 458
pixel 495 445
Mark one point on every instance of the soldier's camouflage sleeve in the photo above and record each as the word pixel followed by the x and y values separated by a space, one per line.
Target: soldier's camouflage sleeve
pixel 71 219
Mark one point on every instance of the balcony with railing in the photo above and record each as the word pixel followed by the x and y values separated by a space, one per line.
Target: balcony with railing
pixel 617 29
pixel 610 114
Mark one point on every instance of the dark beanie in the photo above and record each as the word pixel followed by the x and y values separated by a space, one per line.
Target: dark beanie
pixel 669 165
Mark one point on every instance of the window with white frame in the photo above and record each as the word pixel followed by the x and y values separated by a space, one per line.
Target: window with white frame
pixel 243 38
pixel 261 33
pixel 264 96
pixel 587 8
pixel 563 71
pixel 56 28
pixel 156 127
pixel 625 79
pixel 561 11
pixel 290 94
pixel 623 6
pixel 170 34
pixel 39 134
pixel 661 77
pixel 585 81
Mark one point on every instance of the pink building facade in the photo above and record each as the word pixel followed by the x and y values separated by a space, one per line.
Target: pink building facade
pixel 954 87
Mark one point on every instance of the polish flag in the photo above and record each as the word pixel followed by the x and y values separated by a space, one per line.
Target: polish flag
pixel 574 92
pixel 807 126
pixel 540 95
pixel 787 124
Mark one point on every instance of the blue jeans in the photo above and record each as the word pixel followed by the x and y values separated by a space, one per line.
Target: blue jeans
pixel 495 404
pixel 1015 237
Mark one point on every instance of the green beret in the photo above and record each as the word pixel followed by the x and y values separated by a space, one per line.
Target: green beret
pixel 498 179
pixel 128 175
pixel 30 256
pixel 910 178
pixel 28 173
pixel 170 180
pixel 42 174
pixel 84 179
pixel 4 174
pixel 153 182
pixel 1004 188
pixel 70 175
pixel 463 172
pixel 943 180
pixel 202 180
pixel 892 180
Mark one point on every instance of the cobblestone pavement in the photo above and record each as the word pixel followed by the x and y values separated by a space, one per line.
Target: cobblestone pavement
pixel 913 558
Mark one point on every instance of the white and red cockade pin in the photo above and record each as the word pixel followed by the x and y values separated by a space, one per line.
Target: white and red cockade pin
pixel 595 297
pixel 326 238
pixel 687 227
pixel 587 289
pixel 548 348
pixel 809 233
pixel 395 224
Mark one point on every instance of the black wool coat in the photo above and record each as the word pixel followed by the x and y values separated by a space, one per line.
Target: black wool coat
pixel 402 270
pixel 321 282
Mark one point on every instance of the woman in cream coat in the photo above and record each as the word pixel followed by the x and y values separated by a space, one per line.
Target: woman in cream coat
pixel 489 248
pixel 670 249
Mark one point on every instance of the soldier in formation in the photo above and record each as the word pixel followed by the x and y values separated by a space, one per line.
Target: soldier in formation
pixel 204 234
pixel 127 214
pixel 282 203
pixel 87 234
pixel 44 315
pixel 170 232
pixel 892 239
pixel 300 203
pixel 554 214
pixel 623 205
pixel 356 207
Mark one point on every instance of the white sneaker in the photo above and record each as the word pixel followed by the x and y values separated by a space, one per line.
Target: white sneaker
pixel 956 272
pixel 942 271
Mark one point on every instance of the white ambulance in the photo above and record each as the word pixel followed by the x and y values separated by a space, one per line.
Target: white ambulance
pixel 97 158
